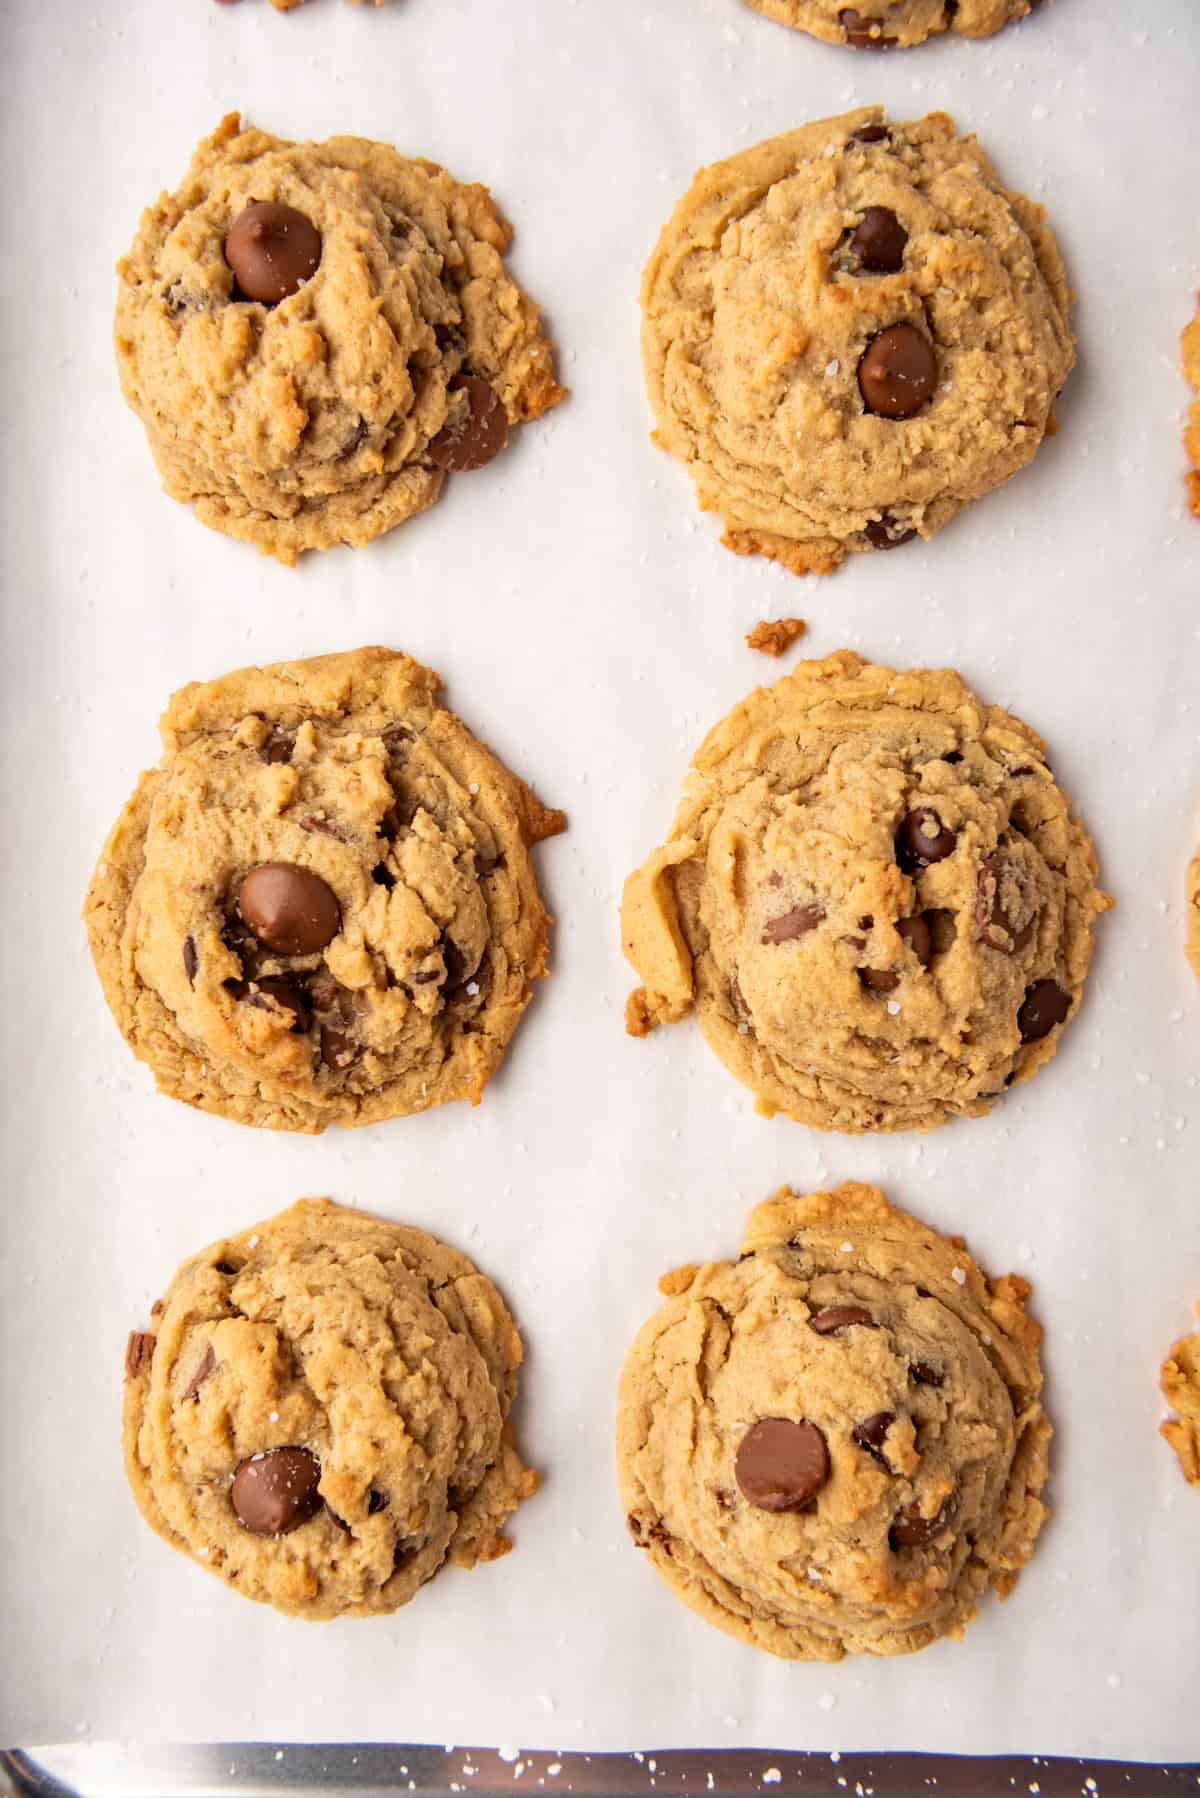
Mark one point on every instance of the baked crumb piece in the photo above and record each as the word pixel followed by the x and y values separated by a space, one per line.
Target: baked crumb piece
pixel 775 635
pixel 1181 1389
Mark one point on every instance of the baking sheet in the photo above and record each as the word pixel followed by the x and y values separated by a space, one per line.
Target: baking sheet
pixel 590 628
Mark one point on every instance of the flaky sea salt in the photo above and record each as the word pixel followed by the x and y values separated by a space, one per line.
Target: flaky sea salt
pixel 846 1248
pixel 959 1275
pixel 832 367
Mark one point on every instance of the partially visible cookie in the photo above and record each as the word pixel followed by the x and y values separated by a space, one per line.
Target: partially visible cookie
pixel 874 894
pixel 320 907
pixel 318 1412
pixel 1193 915
pixel 884 24
pixel 849 333
pixel 836 1444
pixel 1181 1389
pixel 1191 435
pixel 315 334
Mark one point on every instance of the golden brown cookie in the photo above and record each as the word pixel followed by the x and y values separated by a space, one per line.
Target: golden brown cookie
pixel 318 1413
pixel 320 907
pixel 1181 1388
pixel 314 334
pixel 1191 435
pixel 835 1444
pixel 850 332
pixel 874 895
pixel 886 24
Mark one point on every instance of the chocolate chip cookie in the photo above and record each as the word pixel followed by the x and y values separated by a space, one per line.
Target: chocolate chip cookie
pixel 835 1445
pixel 885 24
pixel 315 334
pixel 849 333
pixel 874 895
pixel 1181 1388
pixel 318 1412
pixel 1191 435
pixel 320 907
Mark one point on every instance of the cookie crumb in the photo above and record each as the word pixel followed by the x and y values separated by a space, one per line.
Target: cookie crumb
pixel 775 635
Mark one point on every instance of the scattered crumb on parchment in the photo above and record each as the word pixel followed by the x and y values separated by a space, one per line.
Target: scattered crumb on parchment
pixel 774 635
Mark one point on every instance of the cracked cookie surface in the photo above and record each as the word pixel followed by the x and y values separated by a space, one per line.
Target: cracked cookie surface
pixel 836 1444
pixel 320 907
pixel 875 896
pixel 850 332
pixel 331 409
pixel 318 1413
pixel 884 24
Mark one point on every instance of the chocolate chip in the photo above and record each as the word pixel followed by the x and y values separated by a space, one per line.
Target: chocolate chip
pixel 921 839
pixel 139 1352
pixel 925 1375
pixel 884 533
pixel 781 1465
pixel 290 909
pixel 326 827
pixel 376 1501
pixel 226 1267
pixel 858 28
pixel 279 749
pixel 898 372
pixel 917 934
pixel 450 340
pixel 291 995
pixel 191 960
pixel 1045 1005
pixel 879 980
pixel 840 1317
pixel 272 250
pixel 207 1362
pixel 942 929
pixel 795 923
pixel 383 876
pixel 357 437
pixel 952 756
pixel 275 1491
pixel 869 134
pixel 878 240
pixel 338 1048
pixel 911 1530
pixel 474 432
pixel 870 1434
pixel 738 1001
pixel 996 928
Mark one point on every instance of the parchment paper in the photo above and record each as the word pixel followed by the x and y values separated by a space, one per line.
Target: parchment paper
pixel 590 627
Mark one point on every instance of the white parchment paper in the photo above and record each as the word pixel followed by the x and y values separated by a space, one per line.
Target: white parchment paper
pixel 589 626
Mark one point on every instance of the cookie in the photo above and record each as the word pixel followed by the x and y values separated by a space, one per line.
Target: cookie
pixel 319 1412
pixel 874 895
pixel 885 24
pixel 835 1445
pixel 850 332
pixel 1181 1388
pixel 320 907
pixel 1191 435
pixel 315 334
pixel 1193 915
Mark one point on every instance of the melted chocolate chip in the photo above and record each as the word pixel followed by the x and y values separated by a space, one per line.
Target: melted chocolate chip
pixel 226 1267
pixel 376 1501
pixel 207 1362
pixel 286 992
pixel 272 250
pixel 863 32
pixel 898 372
pixel 877 241
pixel 911 1530
pixel 879 980
pixel 925 1375
pixel 275 1491
pixel 382 875
pixel 884 532
pixel 290 909
pixel 839 1317
pixel 781 1465
pixel 871 1433
pixel 917 934
pixel 191 960
pixel 794 923
pixel 869 134
pixel 996 928
pixel 475 431
pixel 921 839
pixel 357 437
pixel 279 749
pixel 139 1352
pixel 1044 1007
